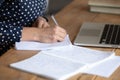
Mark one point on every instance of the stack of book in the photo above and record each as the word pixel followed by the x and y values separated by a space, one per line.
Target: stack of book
pixel 105 6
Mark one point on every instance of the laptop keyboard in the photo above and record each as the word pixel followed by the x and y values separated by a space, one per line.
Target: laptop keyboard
pixel 111 34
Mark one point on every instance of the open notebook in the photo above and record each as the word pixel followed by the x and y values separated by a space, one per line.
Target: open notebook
pixel 63 62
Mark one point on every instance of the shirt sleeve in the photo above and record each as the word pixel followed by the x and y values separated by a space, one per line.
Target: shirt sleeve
pixel 1 1
pixel 14 14
pixel 9 35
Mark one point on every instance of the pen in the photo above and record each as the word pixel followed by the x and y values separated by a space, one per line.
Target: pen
pixel 53 18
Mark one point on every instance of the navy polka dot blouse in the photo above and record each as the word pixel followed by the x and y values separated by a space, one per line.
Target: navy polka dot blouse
pixel 14 14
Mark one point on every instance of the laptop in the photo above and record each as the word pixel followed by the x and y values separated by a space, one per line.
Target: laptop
pixel 98 35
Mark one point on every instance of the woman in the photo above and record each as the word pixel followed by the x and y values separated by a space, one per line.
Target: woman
pixel 22 20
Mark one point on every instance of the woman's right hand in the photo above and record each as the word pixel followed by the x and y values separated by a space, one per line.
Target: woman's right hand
pixel 45 34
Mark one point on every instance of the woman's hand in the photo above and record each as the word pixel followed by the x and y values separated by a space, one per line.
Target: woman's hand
pixel 45 35
pixel 42 32
pixel 40 23
pixel 51 34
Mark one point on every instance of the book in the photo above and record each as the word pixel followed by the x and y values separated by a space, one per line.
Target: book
pixel 105 6
pixel 105 3
pixel 110 10
pixel 63 62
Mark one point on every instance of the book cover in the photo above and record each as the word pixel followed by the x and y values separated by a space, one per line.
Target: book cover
pixel 105 3
pixel 105 6
pixel 100 9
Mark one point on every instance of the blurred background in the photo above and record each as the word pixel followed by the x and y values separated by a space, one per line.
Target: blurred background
pixel 55 6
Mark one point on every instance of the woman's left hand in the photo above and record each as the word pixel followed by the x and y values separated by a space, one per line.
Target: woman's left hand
pixel 40 23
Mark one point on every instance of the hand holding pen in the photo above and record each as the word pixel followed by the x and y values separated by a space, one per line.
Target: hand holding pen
pixel 44 33
pixel 62 32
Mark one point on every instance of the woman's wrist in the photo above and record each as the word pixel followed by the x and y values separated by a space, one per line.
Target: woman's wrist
pixel 29 34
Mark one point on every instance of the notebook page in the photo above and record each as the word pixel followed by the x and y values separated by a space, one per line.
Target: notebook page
pixel 105 69
pixel 49 66
pixel 79 54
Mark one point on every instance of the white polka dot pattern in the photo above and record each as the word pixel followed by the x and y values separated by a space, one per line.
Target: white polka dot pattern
pixel 14 14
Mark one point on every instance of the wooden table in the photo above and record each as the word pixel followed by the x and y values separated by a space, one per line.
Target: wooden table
pixel 70 18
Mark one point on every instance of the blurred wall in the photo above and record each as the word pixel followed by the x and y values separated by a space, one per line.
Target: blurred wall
pixel 56 5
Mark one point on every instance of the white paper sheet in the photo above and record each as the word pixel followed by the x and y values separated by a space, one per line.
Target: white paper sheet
pixel 106 68
pixel 29 45
pixel 67 57
pixel 63 62
pixel 49 66
pixel 80 54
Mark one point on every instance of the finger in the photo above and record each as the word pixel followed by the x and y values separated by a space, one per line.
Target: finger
pixel 59 38
pixel 62 30
pixel 45 25
pixel 56 38
pixel 40 23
